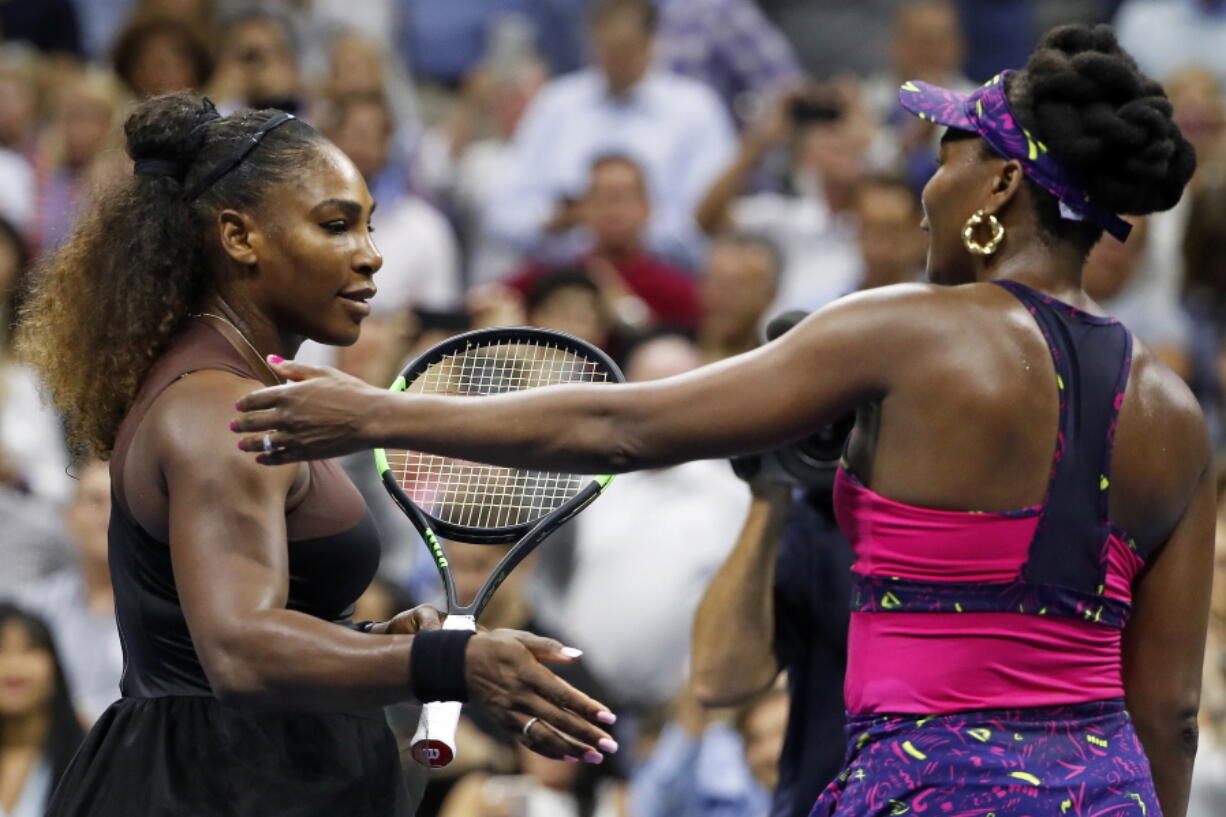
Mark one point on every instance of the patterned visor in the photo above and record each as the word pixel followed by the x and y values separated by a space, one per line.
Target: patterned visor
pixel 987 112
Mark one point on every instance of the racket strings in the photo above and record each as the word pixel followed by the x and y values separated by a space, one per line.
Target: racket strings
pixel 472 494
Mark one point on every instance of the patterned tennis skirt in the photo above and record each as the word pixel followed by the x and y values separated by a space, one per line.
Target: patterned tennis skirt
pixel 1070 761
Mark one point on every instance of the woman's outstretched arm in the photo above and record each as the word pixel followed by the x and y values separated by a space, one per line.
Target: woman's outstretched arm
pixel 847 353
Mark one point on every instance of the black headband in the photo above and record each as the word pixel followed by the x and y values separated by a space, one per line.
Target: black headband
pixel 236 158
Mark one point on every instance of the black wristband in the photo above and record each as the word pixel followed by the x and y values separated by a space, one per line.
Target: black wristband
pixel 437 665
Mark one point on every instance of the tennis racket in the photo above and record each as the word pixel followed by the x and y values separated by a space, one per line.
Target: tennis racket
pixel 464 501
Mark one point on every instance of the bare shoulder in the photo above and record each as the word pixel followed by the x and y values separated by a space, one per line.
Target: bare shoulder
pixel 1162 445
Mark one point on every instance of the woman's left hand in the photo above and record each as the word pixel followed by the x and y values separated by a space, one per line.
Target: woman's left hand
pixel 320 413
pixel 421 618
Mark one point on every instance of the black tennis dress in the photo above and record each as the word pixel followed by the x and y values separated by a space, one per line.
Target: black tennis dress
pixel 168 747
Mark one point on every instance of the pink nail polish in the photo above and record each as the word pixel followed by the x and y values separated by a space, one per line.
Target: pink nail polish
pixel 570 759
pixel 276 358
pixel 606 717
pixel 571 652
pixel 240 446
pixel 593 757
pixel 607 746
pixel 238 407
pixel 233 425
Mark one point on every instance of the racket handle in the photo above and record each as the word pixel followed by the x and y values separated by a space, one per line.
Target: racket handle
pixel 434 741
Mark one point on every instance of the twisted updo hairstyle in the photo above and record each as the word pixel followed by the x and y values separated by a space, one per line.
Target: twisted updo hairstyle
pixel 1106 123
pixel 143 257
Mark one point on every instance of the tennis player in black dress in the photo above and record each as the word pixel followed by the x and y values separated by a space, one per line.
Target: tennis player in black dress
pixel 246 689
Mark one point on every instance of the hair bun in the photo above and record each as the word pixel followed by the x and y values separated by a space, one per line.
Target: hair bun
pixel 1098 113
pixel 168 128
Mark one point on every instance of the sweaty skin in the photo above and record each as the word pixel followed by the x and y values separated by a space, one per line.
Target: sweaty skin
pixel 949 380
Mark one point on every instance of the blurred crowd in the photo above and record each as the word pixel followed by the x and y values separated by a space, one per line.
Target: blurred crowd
pixel 659 178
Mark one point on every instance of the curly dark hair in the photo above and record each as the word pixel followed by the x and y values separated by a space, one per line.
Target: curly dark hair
pixel 1111 126
pixel 136 36
pixel 105 305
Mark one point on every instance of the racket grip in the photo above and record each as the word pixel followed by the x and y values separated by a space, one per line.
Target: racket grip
pixel 434 742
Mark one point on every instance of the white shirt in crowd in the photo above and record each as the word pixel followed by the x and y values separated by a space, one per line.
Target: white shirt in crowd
pixel 30 435
pixel 16 188
pixel 644 554
pixel 675 128
pixel 821 258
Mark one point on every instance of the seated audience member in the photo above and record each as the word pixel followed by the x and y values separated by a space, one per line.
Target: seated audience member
pixel 40 729
pixel 781 602
pixel 1117 276
pixel 78 604
pixel 1200 110
pixel 33 459
pixel 73 156
pixel 1204 253
pixel 359 65
pixel 257 64
pixel 674 127
pixel 462 159
pixel 570 301
pixel 157 55
pixel 740 283
pixel 703 766
pixel 814 222
pixel 892 246
pixel 616 213
pixel 421 265
pixel 19 99
pixel 926 43
pixel 680 521
pixel 729 45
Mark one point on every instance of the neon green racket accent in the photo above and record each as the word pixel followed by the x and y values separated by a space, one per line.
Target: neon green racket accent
pixel 603 480
pixel 436 549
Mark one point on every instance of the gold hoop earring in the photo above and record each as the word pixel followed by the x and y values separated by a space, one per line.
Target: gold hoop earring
pixel 968 233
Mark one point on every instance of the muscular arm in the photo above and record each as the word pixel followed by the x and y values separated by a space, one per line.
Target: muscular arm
pixel 1164 647
pixel 734 627
pixel 230 558
pixel 847 353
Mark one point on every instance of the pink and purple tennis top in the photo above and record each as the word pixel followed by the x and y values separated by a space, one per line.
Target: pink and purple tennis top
pixel 955 611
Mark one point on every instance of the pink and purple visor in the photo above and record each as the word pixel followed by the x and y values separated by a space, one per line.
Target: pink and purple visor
pixel 987 112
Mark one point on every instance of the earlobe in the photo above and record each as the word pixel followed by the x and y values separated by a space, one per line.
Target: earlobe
pixel 235 230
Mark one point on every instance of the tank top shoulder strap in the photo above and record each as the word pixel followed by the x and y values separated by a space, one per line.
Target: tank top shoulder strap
pixel 1092 357
pixel 201 345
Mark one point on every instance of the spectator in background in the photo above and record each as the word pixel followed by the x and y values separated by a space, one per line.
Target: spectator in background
pixel 462 159
pixel 926 43
pixel 569 300
pixel 257 65
pixel 1204 252
pixel 359 65
pixel 729 45
pixel 892 247
pixel 33 460
pixel 77 603
pixel 72 156
pixel 157 55
pixel 1165 36
pixel 706 767
pixel 836 37
pixel 1200 110
pixel 646 551
pixel 1116 276
pixel 41 732
pixel 19 100
pixel 421 264
pixel 675 128
pixel 740 283
pixel 814 223
pixel 32 456
pixel 615 211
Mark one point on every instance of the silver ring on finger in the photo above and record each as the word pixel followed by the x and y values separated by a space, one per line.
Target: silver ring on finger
pixel 267 443
pixel 528 726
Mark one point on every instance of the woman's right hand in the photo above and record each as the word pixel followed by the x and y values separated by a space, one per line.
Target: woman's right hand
pixel 504 673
